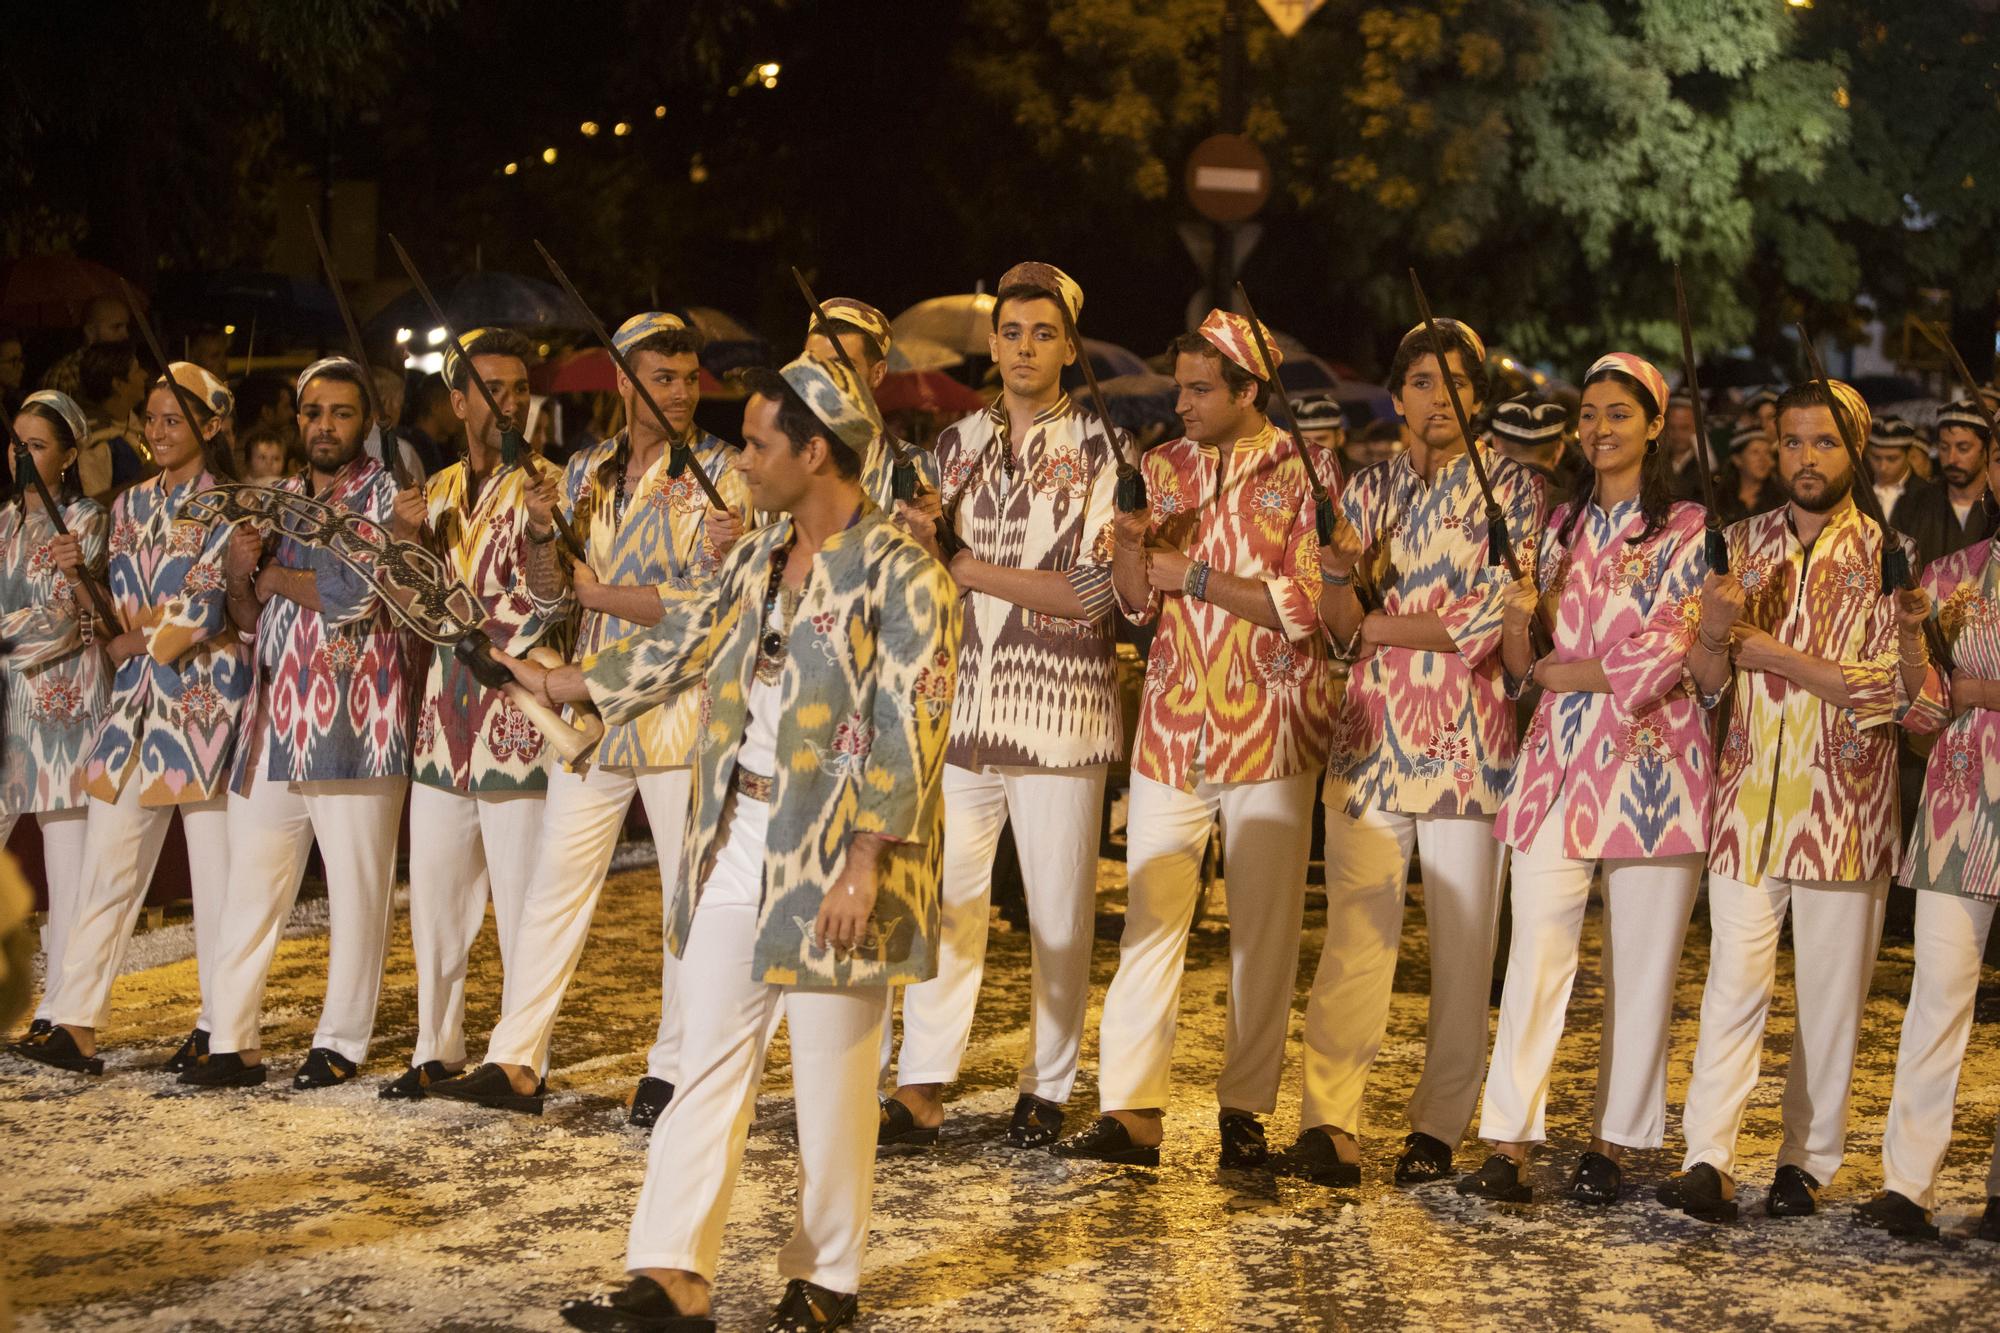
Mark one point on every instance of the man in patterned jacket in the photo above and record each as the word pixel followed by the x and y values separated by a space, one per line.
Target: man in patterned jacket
pixel 810 875
pixel 1233 722
pixel 1422 748
pixel 325 754
pixel 1821 666
pixel 1032 481
pixel 651 546
pixel 866 337
pixel 481 767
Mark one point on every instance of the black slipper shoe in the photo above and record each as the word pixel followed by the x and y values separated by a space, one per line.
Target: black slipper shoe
pixel 323 1069
pixel 1898 1215
pixel 641 1304
pixel 488 1085
pixel 1036 1123
pixel 649 1099
pixel 57 1049
pixel 1243 1145
pixel 1424 1159
pixel 1499 1179
pixel 415 1082
pixel 1313 1157
pixel 1597 1180
pixel 807 1308
pixel 1106 1141
pixel 1989 1222
pixel 1794 1193
pixel 192 1049
pixel 899 1129
pixel 1698 1193
pixel 223 1070
pixel 37 1028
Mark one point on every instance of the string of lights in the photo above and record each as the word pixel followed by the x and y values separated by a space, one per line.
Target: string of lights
pixel 763 75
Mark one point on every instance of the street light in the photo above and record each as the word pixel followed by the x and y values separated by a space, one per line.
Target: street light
pixel 434 337
pixel 589 128
pixel 621 129
pixel 549 156
pixel 511 168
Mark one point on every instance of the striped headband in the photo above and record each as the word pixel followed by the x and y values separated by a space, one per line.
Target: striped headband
pixel 65 407
pixel 1640 369
pixel 1962 412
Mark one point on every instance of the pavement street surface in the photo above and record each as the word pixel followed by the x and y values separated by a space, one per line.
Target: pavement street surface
pixel 129 1202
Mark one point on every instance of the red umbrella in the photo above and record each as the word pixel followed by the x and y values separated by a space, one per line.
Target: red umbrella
pixel 926 391
pixel 53 291
pixel 591 371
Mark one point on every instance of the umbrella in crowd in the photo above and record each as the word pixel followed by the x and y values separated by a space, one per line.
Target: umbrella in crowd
pixel 483 299
pixel 731 343
pixel 286 311
pixel 53 291
pixel 590 370
pixel 960 322
pixel 927 391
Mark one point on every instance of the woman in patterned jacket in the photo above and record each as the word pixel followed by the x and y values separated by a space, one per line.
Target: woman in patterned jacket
pixel 1614 770
pixel 167 738
pixel 56 681
pixel 1954 861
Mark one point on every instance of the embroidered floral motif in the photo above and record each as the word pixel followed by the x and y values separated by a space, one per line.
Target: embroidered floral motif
pixel 337 656
pixel 124 537
pixel 1448 746
pixel 682 494
pixel 1735 749
pixel 936 684
pixel 202 578
pixel 1966 606
pixel 1848 747
pixel 1270 499
pixel 1960 763
pixel 1167 502
pixel 1057 627
pixel 199 707
pixel 185 539
pixel 40 562
pixel 1855 577
pixel 1061 472
pixel 57 700
pixel 1753 576
pixel 1644 741
pixel 512 737
pixel 1282 665
pixel 427 726
pixel 956 475
pixel 1636 569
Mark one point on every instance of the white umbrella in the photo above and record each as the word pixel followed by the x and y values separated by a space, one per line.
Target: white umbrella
pixel 961 323
pixel 921 354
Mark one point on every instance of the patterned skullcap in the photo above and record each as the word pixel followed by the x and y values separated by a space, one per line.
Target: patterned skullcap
pixel 1893 433
pixel 1740 439
pixel 1640 369
pixel 1961 412
pixel 1450 326
pixel 205 388
pixel 836 398
pixel 847 310
pixel 1319 411
pixel 1047 278
pixel 65 407
pixel 1231 335
pixel 1525 421
pixel 1759 396
pixel 320 367
pixel 639 328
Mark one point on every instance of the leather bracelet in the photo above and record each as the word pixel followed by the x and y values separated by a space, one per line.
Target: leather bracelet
pixel 1202 571
pixel 539 541
pixel 1335 580
pixel 1719 650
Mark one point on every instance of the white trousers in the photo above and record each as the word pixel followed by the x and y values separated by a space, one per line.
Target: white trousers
pixel 1056 813
pixel 1647 904
pixel 580 827
pixel 1951 938
pixel 271 831
pixel 121 846
pixel 1347 1016
pixel 463 845
pixel 697 1146
pixel 1836 927
pixel 1267 837
pixel 62 862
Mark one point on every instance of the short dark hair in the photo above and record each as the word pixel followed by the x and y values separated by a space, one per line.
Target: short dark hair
pixel 268 435
pixel 670 342
pixel 1023 291
pixel 872 351
pixel 1810 394
pixel 797 422
pixel 429 390
pixel 343 375
pixel 101 366
pixel 1234 377
pixel 1416 344
pixel 493 342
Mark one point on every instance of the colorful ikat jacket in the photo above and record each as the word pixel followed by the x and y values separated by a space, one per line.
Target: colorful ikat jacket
pixel 57 679
pixel 172 718
pixel 1421 732
pixel 661 542
pixel 1032 688
pixel 866 691
pixel 334 686
pixel 1806 789
pixel 878 471
pixel 1956 846
pixel 1633 768
pixel 1226 700
pixel 469 738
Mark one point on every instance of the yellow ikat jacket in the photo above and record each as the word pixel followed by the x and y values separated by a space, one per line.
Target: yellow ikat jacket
pixel 866 692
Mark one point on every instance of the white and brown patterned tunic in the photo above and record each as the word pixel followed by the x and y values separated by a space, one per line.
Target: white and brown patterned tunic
pixel 1035 689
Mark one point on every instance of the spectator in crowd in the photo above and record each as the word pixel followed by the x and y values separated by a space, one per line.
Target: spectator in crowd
pixel 13 365
pixel 432 429
pixel 112 384
pixel 105 320
pixel 208 347
pixel 265 456
pixel 1749 482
